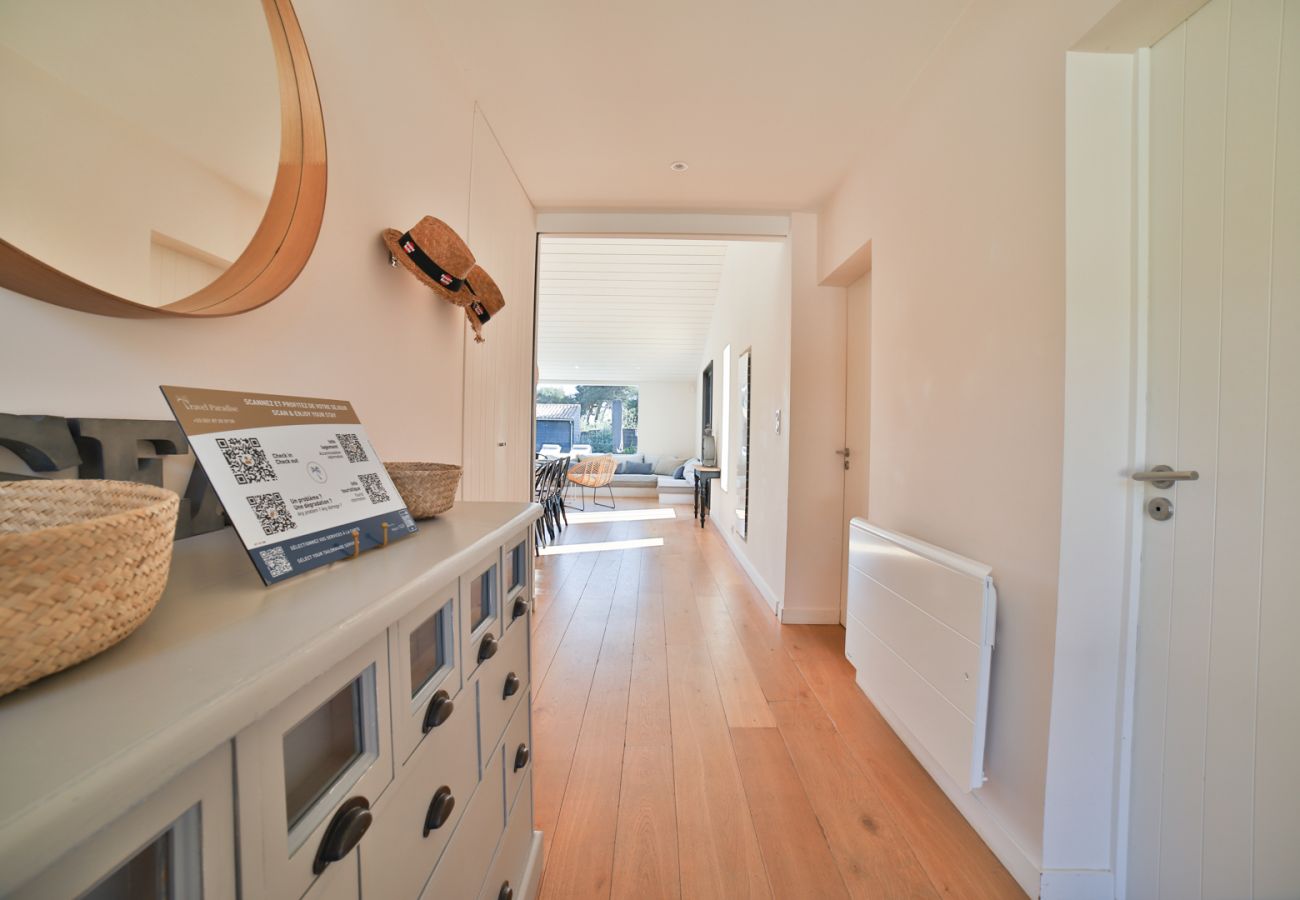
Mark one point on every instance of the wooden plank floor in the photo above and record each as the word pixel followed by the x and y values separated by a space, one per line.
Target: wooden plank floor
pixel 688 745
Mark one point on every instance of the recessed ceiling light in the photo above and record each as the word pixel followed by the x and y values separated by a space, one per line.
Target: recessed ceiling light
pixel 679 166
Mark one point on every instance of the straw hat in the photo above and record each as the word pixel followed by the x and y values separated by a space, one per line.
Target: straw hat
pixel 435 254
pixel 486 300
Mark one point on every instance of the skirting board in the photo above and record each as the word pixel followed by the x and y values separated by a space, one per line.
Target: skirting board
pixel 1023 869
pixel 772 598
pixel 820 615
pixel 1077 884
pixel 533 873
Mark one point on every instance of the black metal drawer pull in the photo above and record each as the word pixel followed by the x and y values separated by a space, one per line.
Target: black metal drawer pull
pixel 345 831
pixel 439 809
pixel 512 686
pixel 439 711
pixel 507 892
pixel 521 607
pixel 521 757
pixel 487 648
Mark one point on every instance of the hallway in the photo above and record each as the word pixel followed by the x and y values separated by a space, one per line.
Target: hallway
pixel 687 745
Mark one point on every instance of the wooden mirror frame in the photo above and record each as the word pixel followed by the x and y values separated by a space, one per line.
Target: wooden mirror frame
pixel 283 241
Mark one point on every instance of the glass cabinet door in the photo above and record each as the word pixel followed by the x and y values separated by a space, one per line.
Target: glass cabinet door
pixel 167 868
pixel 178 843
pixel 517 568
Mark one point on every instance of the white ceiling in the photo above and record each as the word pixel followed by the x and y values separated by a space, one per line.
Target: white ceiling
pixel 624 310
pixel 769 101
pixel 199 75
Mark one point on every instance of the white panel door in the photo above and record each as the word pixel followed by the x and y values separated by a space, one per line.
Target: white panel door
pixel 1215 810
pixel 498 417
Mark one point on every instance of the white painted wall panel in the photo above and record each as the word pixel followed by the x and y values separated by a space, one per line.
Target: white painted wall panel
pixel 498 417
pixel 1276 815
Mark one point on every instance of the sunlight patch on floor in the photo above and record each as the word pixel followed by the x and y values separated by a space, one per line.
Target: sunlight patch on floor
pixel 599 546
pixel 622 515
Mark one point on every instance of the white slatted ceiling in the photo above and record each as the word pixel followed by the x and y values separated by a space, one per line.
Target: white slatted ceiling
pixel 625 309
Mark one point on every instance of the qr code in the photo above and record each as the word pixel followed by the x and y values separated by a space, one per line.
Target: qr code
pixel 352 448
pixel 374 487
pixel 247 460
pixel 272 513
pixel 277 563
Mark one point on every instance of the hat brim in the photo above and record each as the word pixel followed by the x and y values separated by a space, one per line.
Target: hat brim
pixel 391 238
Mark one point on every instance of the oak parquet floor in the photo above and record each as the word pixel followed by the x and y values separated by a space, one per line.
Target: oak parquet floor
pixel 687 745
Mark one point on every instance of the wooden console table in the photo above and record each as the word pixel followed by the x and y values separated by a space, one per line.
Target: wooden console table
pixel 704 476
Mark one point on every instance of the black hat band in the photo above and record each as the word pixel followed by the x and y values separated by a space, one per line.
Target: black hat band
pixel 427 265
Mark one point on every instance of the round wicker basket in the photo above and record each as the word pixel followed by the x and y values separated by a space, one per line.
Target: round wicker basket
pixel 82 563
pixel 427 488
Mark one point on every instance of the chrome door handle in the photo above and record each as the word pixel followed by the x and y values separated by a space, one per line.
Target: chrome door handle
pixel 1163 477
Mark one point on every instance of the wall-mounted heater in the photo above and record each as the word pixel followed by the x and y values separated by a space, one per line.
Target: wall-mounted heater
pixel 920 633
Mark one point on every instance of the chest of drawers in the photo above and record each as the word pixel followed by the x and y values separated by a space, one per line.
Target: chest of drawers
pixel 361 731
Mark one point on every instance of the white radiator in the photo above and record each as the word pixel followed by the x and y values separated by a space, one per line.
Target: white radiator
pixel 920 633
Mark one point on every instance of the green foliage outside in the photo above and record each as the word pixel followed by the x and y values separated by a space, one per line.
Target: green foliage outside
pixel 597 403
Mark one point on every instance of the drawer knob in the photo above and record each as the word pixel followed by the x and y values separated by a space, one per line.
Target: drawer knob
pixel 439 711
pixel 345 831
pixel 512 686
pixel 487 648
pixel 439 809
pixel 507 892
pixel 521 757
pixel 521 607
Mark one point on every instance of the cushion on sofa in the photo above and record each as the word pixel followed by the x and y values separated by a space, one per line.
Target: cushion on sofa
pixel 634 480
pixel 667 465
pixel 681 472
pixel 636 468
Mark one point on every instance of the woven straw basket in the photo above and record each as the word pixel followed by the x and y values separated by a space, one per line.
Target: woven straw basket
pixel 427 488
pixel 82 563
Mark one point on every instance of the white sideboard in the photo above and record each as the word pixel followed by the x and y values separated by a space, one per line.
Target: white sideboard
pixel 363 730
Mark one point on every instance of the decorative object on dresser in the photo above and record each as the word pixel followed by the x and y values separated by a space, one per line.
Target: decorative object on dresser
pixel 337 738
pixel 427 488
pixel 110 449
pixel 299 477
pixel 82 564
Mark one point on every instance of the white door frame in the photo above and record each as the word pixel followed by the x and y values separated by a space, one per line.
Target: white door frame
pixel 1086 806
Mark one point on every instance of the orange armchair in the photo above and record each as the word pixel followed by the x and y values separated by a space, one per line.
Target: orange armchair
pixel 594 472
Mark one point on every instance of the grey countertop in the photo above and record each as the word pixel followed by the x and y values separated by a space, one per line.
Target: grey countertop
pixel 78 748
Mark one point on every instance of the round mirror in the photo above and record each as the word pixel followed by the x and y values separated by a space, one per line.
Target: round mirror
pixel 161 157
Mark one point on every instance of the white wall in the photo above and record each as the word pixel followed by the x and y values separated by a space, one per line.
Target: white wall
pixel 753 312
pixel 350 326
pixel 964 204
pixel 668 416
